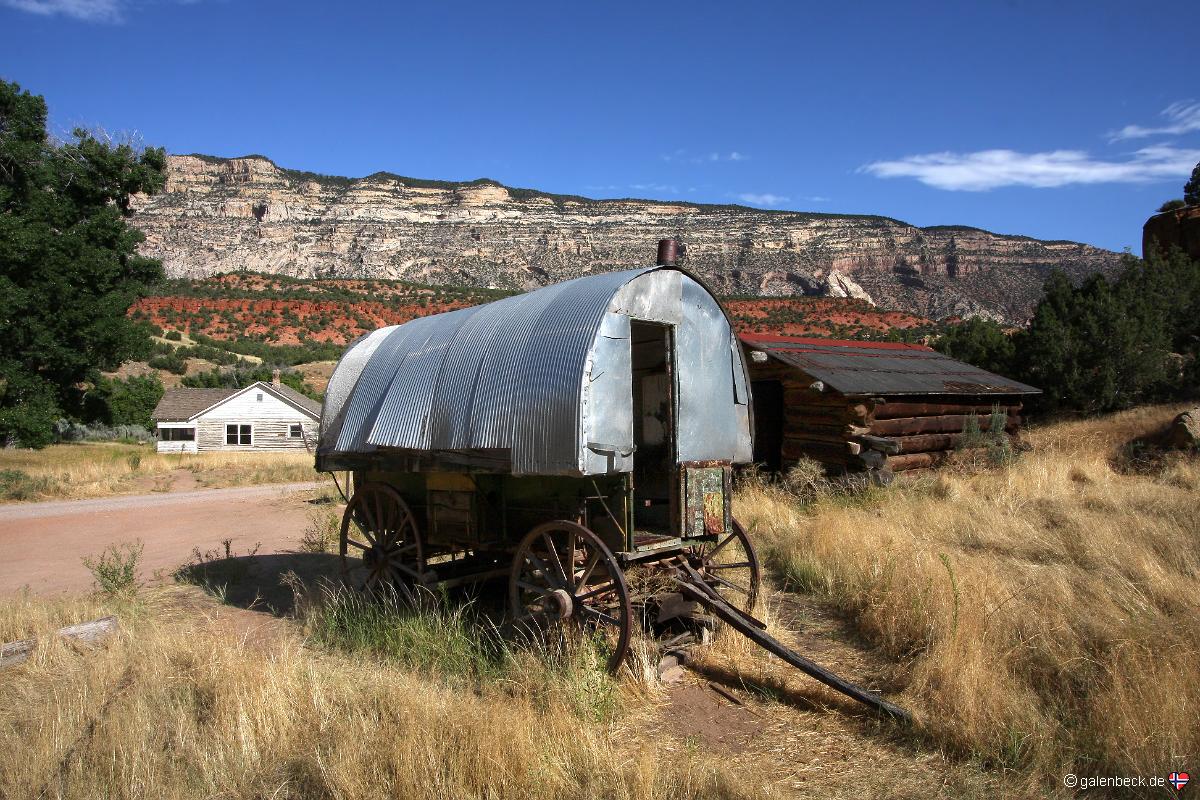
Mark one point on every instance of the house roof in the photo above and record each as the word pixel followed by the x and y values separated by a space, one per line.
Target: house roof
pixel 890 368
pixel 181 405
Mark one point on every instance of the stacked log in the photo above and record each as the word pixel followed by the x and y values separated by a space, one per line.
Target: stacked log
pixel 855 433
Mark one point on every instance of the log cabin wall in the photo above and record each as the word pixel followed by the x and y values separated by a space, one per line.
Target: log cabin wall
pixel 876 432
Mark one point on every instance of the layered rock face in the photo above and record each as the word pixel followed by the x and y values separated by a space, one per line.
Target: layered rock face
pixel 223 215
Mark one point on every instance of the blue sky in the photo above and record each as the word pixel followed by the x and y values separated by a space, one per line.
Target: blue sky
pixel 1061 120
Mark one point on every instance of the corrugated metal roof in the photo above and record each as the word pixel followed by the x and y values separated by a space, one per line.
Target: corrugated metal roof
pixel 504 375
pixel 518 375
pixel 885 368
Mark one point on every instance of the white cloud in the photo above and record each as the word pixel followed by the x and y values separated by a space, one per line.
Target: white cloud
pixel 991 169
pixel 762 199
pixel 712 157
pixel 86 10
pixel 1181 117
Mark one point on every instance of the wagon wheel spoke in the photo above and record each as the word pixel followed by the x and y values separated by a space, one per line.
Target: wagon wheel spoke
pixel 738 565
pixel 359 545
pixel 545 570
pixel 558 564
pixel 587 572
pixel 600 615
pixel 712 553
pixel 607 588
pixel 529 587
pixel 729 584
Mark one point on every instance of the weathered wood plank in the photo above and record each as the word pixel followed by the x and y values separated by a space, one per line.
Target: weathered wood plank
pixel 917 460
pixel 89 633
pixel 896 409
pixel 946 423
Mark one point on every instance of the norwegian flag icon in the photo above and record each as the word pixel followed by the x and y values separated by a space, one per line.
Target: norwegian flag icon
pixel 1178 780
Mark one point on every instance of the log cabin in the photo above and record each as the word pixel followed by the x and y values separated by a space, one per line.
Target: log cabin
pixel 878 407
pixel 261 416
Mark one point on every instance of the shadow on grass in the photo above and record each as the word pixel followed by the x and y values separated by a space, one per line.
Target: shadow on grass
pixel 255 581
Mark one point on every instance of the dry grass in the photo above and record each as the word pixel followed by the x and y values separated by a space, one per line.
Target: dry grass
pixel 98 469
pixel 180 706
pixel 1043 617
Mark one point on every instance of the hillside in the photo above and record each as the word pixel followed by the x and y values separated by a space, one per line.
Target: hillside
pixel 313 318
pixel 227 215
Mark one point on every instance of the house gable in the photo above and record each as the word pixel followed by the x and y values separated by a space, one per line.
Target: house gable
pixel 246 405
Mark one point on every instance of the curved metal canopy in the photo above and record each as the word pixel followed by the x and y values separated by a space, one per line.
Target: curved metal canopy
pixel 543 377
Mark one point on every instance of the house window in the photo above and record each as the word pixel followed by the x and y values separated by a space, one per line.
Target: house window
pixel 238 434
pixel 177 434
pixel 259 397
pixel 295 431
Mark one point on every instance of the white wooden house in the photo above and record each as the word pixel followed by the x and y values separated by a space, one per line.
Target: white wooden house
pixel 262 416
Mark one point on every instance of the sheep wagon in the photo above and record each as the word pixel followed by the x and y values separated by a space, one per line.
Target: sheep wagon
pixel 561 438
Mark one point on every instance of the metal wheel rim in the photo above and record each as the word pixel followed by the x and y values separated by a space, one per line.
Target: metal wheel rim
pixel 377 520
pixel 596 586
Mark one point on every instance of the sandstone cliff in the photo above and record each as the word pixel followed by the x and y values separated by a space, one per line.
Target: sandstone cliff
pixel 223 215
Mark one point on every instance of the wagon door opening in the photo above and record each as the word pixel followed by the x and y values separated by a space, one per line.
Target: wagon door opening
pixel 653 427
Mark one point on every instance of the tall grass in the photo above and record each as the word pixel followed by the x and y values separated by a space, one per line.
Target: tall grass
pixel 180 706
pixel 1044 615
pixel 92 469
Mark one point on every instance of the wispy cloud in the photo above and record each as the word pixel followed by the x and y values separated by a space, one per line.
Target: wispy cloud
pixel 762 199
pixel 660 188
pixel 85 10
pixel 1183 117
pixel 712 157
pixel 992 169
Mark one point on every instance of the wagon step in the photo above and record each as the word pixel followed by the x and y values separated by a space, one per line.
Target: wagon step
pixel 693 585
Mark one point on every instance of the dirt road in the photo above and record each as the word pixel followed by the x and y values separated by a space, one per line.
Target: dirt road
pixel 42 544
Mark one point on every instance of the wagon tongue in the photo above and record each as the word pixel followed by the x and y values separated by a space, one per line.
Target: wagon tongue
pixel 695 588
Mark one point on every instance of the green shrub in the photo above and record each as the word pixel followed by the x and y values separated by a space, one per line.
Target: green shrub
pixel 115 569
pixel 171 363
pixel 174 336
pixel 17 485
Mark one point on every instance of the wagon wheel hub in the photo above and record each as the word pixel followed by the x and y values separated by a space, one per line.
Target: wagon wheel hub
pixel 561 604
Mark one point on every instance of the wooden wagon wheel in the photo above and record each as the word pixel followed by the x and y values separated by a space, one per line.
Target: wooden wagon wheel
pixel 730 566
pixel 562 571
pixel 380 545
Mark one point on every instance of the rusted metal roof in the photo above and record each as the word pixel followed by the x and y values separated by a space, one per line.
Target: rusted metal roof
pixel 882 368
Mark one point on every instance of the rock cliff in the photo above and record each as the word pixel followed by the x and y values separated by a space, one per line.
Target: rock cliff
pixel 223 215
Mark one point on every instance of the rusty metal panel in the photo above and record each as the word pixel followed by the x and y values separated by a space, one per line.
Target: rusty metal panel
pixel 705 491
